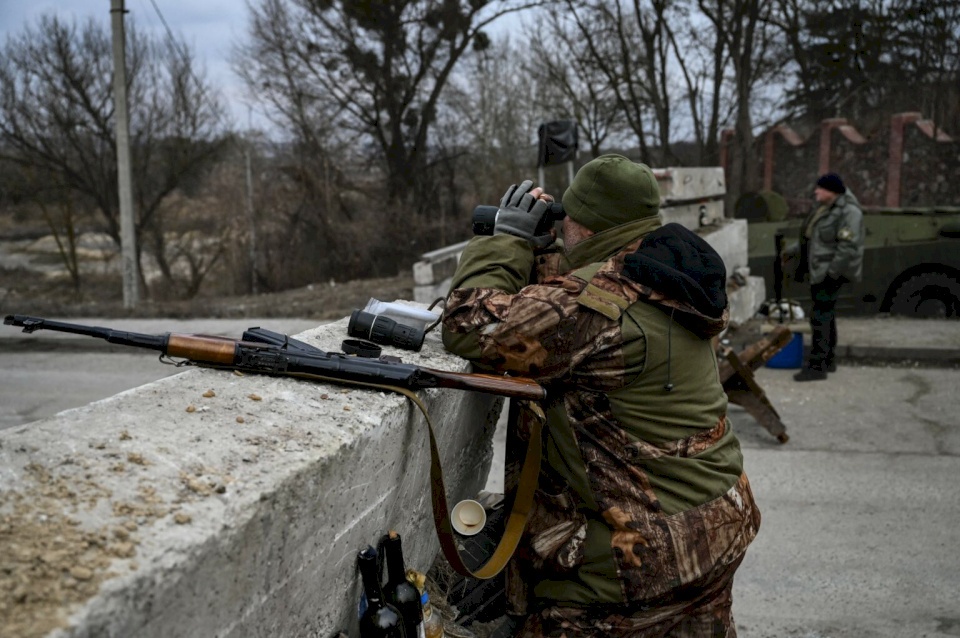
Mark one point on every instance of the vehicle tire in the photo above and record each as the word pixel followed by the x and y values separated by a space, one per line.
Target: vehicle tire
pixel 928 295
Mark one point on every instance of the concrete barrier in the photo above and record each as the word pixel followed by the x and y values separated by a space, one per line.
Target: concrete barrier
pixel 211 504
pixel 433 274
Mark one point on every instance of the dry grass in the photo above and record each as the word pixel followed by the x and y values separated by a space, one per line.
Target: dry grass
pixel 25 293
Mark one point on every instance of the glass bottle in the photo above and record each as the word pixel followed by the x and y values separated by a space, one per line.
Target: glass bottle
pixel 432 623
pixel 432 626
pixel 398 591
pixel 380 619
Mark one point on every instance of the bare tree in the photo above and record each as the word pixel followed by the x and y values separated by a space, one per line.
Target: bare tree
pixel 56 116
pixel 484 136
pixel 742 26
pixel 571 83
pixel 700 52
pixel 629 44
pixel 374 70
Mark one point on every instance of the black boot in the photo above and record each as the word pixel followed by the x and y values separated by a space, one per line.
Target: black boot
pixel 810 374
pixel 831 367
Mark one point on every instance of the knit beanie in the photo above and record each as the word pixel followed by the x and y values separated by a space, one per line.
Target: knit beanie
pixel 832 183
pixel 611 190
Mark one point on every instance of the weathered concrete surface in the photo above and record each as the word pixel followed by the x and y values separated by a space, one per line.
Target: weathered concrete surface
pixel 434 272
pixel 679 183
pixel 745 298
pixel 693 215
pixel 133 516
pixel 729 239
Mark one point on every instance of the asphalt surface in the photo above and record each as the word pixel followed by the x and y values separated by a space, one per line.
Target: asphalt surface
pixel 861 511
pixel 46 372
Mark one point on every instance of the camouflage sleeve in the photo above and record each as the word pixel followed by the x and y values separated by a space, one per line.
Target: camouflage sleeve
pixel 849 241
pixel 500 262
pixel 494 318
pixel 539 332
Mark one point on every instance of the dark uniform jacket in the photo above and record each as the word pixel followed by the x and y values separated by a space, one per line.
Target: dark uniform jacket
pixel 831 241
pixel 642 489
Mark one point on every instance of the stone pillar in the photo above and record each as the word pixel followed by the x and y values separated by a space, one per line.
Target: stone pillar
pixel 895 162
pixel 826 128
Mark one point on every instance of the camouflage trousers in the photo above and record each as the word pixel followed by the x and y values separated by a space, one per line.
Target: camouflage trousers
pixel 699 610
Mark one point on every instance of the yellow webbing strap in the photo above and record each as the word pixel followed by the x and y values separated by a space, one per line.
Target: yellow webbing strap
pixel 522 502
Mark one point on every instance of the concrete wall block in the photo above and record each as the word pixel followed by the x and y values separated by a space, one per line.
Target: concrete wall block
pixel 745 300
pixel 729 238
pixel 435 271
pixel 423 273
pixel 685 183
pixel 156 521
pixel 689 215
pixel 444 268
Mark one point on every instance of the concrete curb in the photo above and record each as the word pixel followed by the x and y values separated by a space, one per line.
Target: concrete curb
pixel 896 354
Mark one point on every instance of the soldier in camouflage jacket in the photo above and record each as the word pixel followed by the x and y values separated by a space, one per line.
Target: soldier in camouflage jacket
pixel 643 512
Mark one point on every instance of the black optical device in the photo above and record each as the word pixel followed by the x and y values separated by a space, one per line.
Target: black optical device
pixel 485 218
pixel 384 330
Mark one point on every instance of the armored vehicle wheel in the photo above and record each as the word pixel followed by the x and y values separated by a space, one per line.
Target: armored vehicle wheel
pixel 932 294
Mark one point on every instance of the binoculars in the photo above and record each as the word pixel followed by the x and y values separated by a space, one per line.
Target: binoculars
pixel 391 324
pixel 381 329
pixel 485 218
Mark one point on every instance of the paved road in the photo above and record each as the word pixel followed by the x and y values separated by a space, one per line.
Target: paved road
pixel 37 385
pixel 46 372
pixel 861 511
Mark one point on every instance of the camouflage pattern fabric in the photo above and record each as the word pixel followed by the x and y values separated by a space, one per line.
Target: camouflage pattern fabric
pixel 674 569
pixel 703 610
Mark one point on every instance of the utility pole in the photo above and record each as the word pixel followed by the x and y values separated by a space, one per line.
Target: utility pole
pixel 252 221
pixel 128 235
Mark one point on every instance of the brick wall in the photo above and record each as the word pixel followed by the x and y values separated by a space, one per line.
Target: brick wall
pixel 923 170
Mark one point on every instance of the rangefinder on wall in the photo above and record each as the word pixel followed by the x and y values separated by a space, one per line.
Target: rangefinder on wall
pixel 485 218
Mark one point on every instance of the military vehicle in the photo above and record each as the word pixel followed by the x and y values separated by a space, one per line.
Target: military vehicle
pixel 911 262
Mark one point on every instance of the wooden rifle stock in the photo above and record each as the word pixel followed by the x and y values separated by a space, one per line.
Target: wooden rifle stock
pixel 202 348
pixel 512 387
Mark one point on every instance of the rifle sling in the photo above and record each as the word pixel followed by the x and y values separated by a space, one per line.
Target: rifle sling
pixel 522 502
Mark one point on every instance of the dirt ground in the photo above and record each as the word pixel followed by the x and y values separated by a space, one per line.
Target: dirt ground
pixel 316 301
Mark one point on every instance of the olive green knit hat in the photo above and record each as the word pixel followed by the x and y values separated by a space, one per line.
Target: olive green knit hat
pixel 611 190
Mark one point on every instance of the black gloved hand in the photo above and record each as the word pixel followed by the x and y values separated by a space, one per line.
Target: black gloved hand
pixel 521 215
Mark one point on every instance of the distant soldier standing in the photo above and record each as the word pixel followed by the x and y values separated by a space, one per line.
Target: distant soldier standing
pixel 831 253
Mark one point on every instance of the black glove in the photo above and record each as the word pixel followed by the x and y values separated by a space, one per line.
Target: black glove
pixel 521 215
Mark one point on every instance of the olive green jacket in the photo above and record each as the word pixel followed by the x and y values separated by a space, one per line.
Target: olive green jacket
pixel 642 488
pixel 832 239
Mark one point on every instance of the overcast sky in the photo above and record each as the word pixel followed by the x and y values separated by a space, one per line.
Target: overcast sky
pixel 209 27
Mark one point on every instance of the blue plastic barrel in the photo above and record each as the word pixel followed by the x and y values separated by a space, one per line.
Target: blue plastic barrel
pixel 791 356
